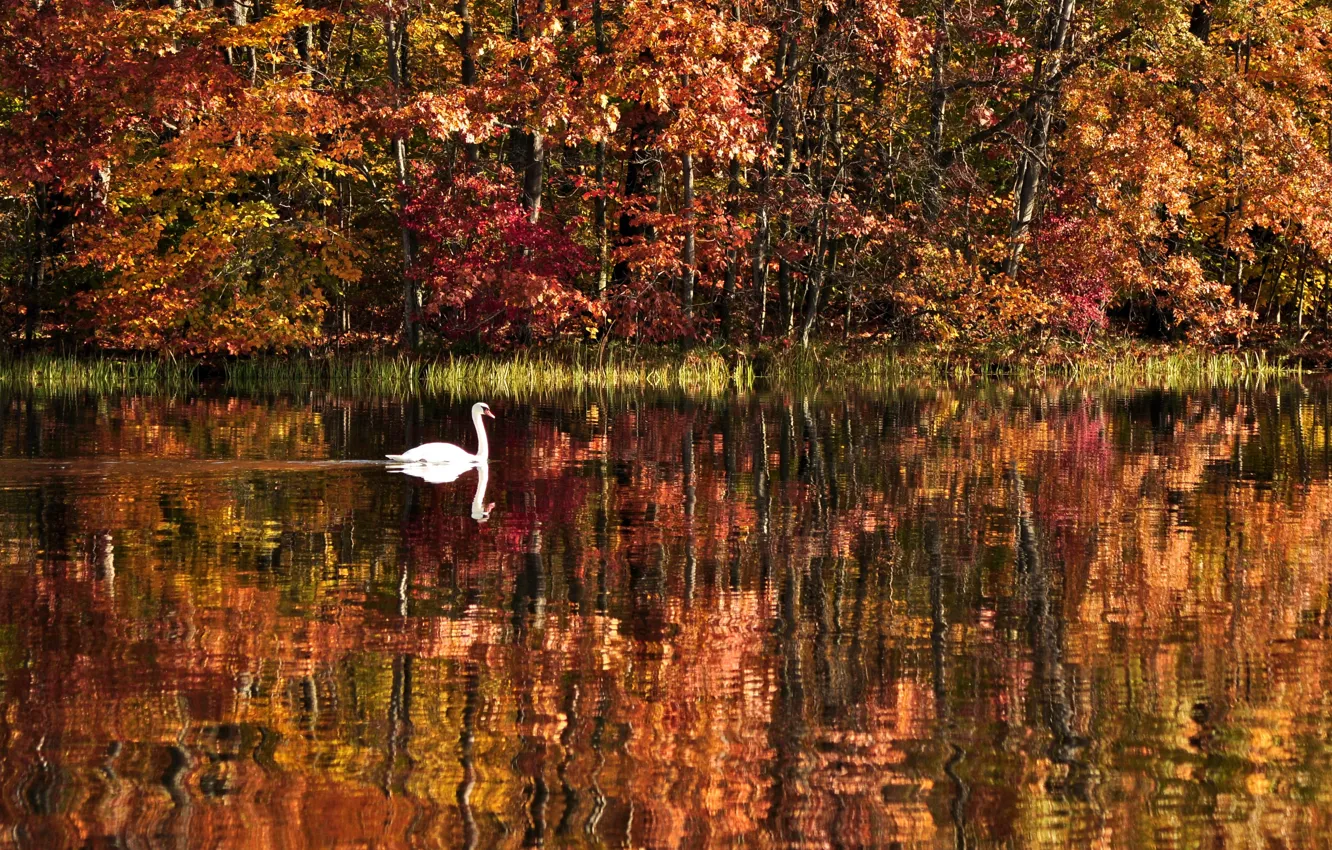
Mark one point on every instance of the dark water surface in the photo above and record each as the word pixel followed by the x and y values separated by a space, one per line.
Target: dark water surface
pixel 995 616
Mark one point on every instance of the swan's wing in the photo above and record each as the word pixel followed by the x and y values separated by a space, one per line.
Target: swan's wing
pixel 435 453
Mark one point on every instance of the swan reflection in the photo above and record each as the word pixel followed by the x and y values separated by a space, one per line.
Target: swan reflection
pixel 447 473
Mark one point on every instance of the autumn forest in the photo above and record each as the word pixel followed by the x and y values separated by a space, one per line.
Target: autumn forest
pixel 246 176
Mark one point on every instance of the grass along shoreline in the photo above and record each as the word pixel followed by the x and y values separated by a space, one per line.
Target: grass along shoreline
pixel 702 371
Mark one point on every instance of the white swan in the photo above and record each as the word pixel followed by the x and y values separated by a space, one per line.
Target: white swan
pixel 448 453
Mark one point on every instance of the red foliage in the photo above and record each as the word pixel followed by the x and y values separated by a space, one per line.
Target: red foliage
pixel 231 178
pixel 488 270
pixel 1079 263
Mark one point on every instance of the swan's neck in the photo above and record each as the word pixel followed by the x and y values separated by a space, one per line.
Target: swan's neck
pixel 482 444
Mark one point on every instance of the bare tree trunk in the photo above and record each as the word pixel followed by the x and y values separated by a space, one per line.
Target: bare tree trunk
pixel 240 16
pixel 813 289
pixel 760 270
pixel 37 258
pixel 785 304
pixel 1045 624
pixel 599 204
pixel 466 38
pixel 395 37
pixel 531 145
pixel 733 259
pixel 824 139
pixel 938 110
pixel 534 170
pixel 305 45
pixel 687 257
pixel 325 47
pixel 1032 163
pixel 237 15
pixel 640 176
pixel 599 220
pixel 1299 288
pixel 820 277
pixel 785 295
pixel 784 62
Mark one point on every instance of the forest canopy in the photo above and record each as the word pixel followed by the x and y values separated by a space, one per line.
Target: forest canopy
pixel 235 177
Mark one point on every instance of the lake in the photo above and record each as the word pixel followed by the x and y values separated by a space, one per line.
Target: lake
pixel 997 615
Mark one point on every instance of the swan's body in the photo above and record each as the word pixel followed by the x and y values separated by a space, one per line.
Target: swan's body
pixel 448 453
pixel 437 453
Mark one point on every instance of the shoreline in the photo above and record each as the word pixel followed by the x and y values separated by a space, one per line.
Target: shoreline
pixel 703 370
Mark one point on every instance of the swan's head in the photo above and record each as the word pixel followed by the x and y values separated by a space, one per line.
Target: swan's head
pixel 482 409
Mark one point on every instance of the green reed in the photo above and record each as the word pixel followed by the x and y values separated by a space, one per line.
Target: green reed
pixel 528 374
pixel 1120 366
pixel 521 374
pixel 701 371
pixel 359 375
pixel 1183 369
pixel 56 375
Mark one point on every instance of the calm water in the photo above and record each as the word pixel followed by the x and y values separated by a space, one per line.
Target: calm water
pixel 999 616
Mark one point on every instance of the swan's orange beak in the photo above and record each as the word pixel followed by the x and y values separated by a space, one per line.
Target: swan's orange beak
pixel 487 412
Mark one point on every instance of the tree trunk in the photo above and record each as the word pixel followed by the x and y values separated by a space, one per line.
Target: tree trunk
pixel 599 221
pixel 819 278
pixel 687 250
pixel 1200 20
pixel 599 203
pixel 467 752
pixel 1030 167
pixel 325 47
pixel 785 297
pixel 534 169
pixel 37 257
pixel 785 309
pixel 640 174
pixel 237 15
pixel 726 306
pixel 531 146
pixel 305 45
pixel 395 37
pixel 465 41
pixel 824 138
pixel 938 110
pixel 240 16
pixel 760 269
pixel 813 290
pixel 1299 287
pixel 466 38
pixel 1032 163
pixel 784 62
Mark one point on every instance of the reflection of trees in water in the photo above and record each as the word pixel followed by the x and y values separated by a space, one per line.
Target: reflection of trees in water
pixel 942 698
pixel 936 617
pixel 1045 624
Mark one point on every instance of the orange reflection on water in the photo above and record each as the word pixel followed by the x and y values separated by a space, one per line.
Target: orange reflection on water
pixel 1033 615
